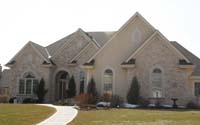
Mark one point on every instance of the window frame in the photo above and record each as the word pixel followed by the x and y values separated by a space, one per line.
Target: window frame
pixel 112 81
pixel 157 88
pixel 33 80
pixel 196 82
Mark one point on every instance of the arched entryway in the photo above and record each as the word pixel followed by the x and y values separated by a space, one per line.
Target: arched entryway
pixel 61 85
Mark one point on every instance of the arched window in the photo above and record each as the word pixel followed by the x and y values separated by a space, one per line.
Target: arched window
pixel 108 81
pixel 82 80
pixel 28 84
pixel 157 83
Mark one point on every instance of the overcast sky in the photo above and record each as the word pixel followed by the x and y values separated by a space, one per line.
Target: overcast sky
pixel 45 21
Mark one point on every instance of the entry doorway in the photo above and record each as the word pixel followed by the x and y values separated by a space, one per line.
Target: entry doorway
pixel 62 80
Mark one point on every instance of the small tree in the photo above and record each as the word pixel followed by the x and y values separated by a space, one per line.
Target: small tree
pixel 41 91
pixel 134 91
pixel 71 88
pixel 92 91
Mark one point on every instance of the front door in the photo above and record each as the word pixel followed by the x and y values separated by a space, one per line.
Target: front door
pixel 61 85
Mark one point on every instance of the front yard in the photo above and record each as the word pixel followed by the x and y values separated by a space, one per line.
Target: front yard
pixel 23 114
pixel 137 117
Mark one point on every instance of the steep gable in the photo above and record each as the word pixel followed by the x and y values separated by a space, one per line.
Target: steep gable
pixel 28 53
pixel 73 47
pixel 127 35
pixel 52 48
pixel 39 50
pixel 149 40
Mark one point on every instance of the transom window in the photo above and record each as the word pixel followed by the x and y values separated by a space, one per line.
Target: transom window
pixel 197 88
pixel 28 84
pixel 108 81
pixel 157 83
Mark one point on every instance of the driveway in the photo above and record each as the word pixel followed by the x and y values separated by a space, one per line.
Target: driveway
pixel 63 115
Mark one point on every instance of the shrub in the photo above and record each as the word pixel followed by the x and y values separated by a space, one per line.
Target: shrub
pixel 41 91
pixel 11 100
pixel 29 100
pixel 92 92
pixel 71 92
pixel 192 105
pixel 106 97
pixel 82 99
pixel 116 101
pixel 134 91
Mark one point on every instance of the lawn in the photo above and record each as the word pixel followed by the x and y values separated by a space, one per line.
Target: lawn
pixel 137 117
pixel 23 114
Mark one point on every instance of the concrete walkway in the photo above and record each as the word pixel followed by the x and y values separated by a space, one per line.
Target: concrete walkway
pixel 63 115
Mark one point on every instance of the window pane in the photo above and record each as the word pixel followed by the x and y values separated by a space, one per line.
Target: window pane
pixel 35 86
pixel 156 78
pixel 108 80
pixel 21 86
pixel 28 86
pixel 197 89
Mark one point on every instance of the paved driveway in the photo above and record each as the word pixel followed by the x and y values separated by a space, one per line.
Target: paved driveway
pixel 63 115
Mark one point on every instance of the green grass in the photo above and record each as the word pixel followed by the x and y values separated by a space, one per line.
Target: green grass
pixel 23 114
pixel 137 117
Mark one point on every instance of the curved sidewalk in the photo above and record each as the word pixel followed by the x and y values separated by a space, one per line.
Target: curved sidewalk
pixel 63 115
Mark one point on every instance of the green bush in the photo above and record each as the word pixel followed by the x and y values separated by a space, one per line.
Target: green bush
pixel 92 92
pixel 71 92
pixel 41 91
pixel 134 91
pixel 116 101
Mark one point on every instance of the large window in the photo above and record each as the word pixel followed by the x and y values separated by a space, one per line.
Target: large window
pixel 108 81
pixel 82 80
pixel 157 83
pixel 28 84
pixel 197 88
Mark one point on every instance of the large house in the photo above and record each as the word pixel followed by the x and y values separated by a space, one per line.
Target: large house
pixel 164 68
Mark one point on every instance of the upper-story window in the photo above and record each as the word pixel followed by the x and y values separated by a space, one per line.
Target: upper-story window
pixel 197 88
pixel 28 84
pixel 108 81
pixel 157 83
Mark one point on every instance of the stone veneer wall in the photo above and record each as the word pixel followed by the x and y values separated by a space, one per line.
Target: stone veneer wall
pixel 175 80
pixel 28 60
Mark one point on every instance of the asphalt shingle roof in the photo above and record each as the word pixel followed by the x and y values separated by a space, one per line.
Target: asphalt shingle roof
pixel 192 58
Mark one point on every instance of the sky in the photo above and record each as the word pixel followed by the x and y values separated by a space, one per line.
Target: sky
pixel 46 21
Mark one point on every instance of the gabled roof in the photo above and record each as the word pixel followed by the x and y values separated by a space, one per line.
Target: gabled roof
pixel 132 19
pixel 38 49
pixel 147 42
pixel 97 38
pixel 101 37
pixel 194 59
pixel 52 48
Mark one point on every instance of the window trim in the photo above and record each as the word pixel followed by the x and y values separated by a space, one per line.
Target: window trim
pixel 162 80
pixel 193 88
pixel 113 79
pixel 25 83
